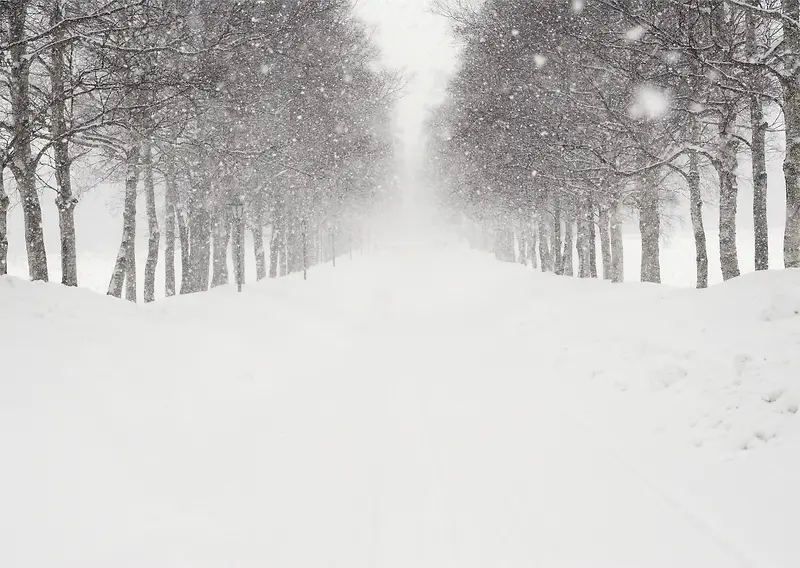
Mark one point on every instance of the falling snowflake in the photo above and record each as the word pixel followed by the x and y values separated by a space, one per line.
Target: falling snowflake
pixel 635 33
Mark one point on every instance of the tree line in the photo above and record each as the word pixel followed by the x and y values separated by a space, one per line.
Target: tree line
pixel 565 115
pixel 196 104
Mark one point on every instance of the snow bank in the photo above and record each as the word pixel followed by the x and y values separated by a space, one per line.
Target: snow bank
pixel 412 408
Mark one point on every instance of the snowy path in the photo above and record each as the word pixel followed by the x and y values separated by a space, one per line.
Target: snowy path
pixel 414 412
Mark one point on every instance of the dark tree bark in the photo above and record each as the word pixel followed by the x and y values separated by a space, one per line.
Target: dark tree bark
pixel 170 211
pixel 65 200
pixel 568 263
pixel 791 112
pixel 725 162
pixel 260 253
pixel 617 247
pixel 650 229
pixel 545 245
pixel 186 252
pixel 200 247
pixel 153 233
pixel 221 243
pixel 4 202
pixel 558 259
pixel 125 267
pixel 605 243
pixel 22 163
pixel 591 238
pixel 696 212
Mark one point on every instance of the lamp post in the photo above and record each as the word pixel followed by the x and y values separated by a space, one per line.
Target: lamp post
pixel 237 207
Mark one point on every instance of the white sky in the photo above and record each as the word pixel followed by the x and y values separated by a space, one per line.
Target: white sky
pixel 413 39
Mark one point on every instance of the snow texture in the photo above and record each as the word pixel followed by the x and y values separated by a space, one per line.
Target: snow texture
pixel 415 407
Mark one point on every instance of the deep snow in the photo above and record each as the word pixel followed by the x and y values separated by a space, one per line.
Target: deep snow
pixel 415 407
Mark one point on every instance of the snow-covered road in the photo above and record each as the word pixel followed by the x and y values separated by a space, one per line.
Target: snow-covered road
pixel 415 408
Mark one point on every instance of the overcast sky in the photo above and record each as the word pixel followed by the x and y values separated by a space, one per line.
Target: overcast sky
pixel 418 41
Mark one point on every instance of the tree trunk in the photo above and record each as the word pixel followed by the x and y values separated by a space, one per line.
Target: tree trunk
pixel 605 243
pixel 725 163
pixel 333 246
pixel 3 225
pixel 521 229
pixel 275 242
pixel 532 240
pixel 545 247
pixel 65 200
pixel 696 211
pixel 200 247
pixel 558 260
pixel 758 152
pixel 581 236
pixel 791 160
pixel 125 267
pixel 237 234
pixel 170 211
pixel 568 263
pixel 591 238
pixel 304 247
pixel 650 229
pixel 154 235
pixel 285 238
pixel 260 253
pixel 758 146
pixel 186 252
pixel 23 164
pixel 221 243
pixel 617 246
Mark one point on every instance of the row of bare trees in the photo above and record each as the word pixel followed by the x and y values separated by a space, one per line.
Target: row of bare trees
pixel 195 104
pixel 563 117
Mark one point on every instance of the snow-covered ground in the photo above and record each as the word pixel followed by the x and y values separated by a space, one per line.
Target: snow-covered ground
pixel 417 406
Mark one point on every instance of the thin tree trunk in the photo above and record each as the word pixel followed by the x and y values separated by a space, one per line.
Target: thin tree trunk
pixel 285 263
pixel 170 211
pixel 568 263
pixel 333 246
pixel 605 243
pixel 276 242
pixel 758 152
pixel 617 246
pixel 125 267
pixel 558 259
pixel 154 235
pixel 591 237
pixel 758 146
pixel 726 164
pixel 221 243
pixel 304 247
pixel 4 202
pixel 791 168
pixel 23 164
pixel 791 113
pixel 582 236
pixel 237 234
pixel 521 229
pixel 200 247
pixel 65 200
pixel 186 252
pixel 696 211
pixel 650 229
pixel 532 240
pixel 545 246
pixel 260 253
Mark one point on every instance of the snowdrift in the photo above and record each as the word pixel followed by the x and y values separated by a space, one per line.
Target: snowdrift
pixel 412 408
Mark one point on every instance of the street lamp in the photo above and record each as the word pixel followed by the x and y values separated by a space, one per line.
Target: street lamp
pixel 237 205
pixel 237 208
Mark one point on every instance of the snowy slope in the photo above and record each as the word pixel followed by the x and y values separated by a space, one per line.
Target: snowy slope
pixel 416 407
